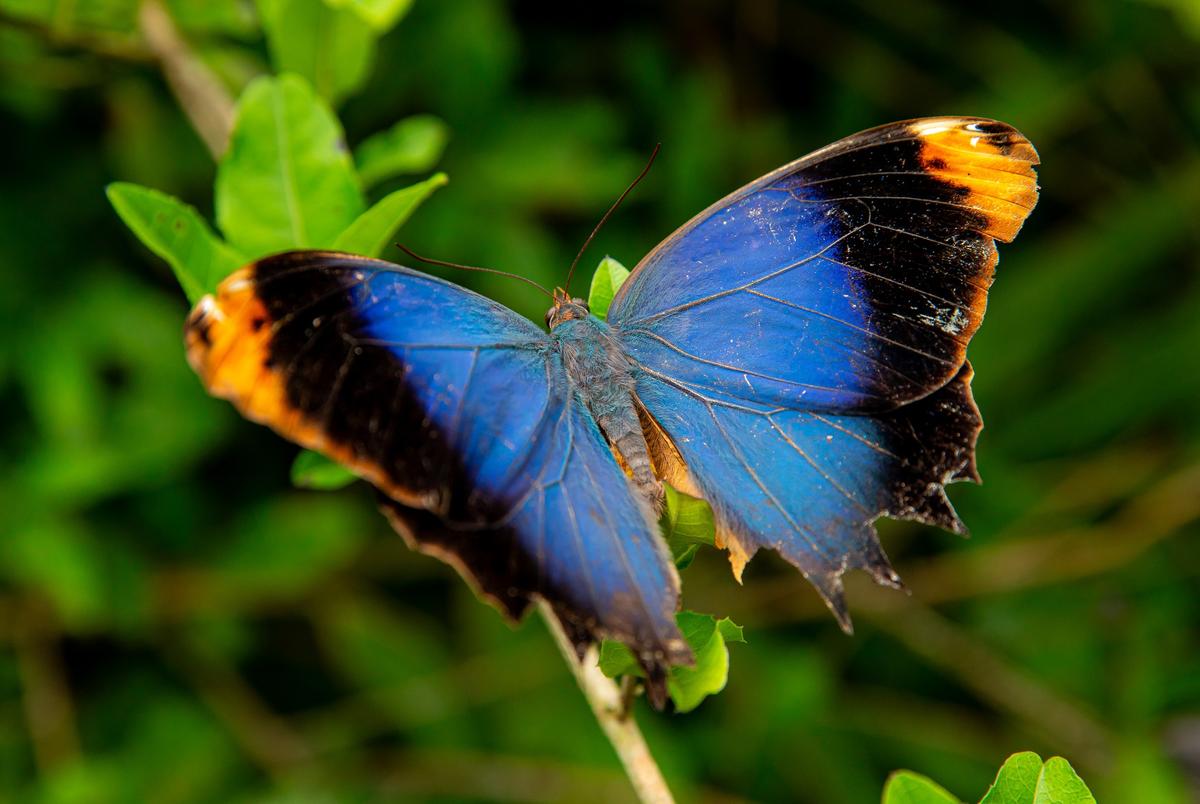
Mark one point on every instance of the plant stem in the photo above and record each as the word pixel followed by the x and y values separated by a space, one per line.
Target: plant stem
pixel 204 99
pixel 604 696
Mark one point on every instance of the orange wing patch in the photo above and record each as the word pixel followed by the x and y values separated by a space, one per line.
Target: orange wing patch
pixel 991 160
pixel 228 337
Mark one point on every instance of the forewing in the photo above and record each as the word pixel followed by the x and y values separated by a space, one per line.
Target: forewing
pixel 851 279
pixel 460 413
pixel 802 343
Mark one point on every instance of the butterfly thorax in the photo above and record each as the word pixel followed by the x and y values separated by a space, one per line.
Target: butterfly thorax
pixel 601 373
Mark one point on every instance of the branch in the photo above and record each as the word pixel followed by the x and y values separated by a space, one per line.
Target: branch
pixel 604 696
pixel 200 93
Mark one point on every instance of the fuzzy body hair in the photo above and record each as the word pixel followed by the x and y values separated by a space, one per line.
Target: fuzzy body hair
pixel 602 374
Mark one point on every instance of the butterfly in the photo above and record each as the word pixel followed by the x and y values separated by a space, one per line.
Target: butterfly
pixel 795 355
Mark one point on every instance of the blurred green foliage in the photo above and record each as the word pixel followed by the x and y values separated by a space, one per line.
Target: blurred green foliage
pixel 177 623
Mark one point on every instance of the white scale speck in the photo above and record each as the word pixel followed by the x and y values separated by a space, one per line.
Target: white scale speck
pixel 950 321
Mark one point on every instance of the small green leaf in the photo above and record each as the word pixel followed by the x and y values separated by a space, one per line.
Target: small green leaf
pixel 689 686
pixel 608 278
pixel 697 628
pixel 1059 784
pixel 379 14
pixel 617 660
pixel 373 230
pixel 1024 779
pixel 1016 781
pixel 177 233
pixel 330 47
pixel 286 181
pixel 686 522
pixel 413 145
pixel 685 556
pixel 731 631
pixel 906 787
pixel 312 470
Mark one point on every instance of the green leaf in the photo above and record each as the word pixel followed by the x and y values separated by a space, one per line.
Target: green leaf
pixel 618 660
pixel 286 181
pixel 1024 779
pixel 685 555
pixel 312 470
pixel 906 787
pixel 379 14
pixel 177 233
pixel 1016 781
pixel 689 686
pixel 608 278
pixel 373 230
pixel 697 628
pixel 413 145
pixel 1059 784
pixel 686 523
pixel 731 631
pixel 332 48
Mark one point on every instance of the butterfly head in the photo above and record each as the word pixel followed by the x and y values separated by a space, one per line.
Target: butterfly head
pixel 565 309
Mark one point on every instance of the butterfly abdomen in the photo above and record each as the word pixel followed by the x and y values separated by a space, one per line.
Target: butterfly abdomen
pixel 601 374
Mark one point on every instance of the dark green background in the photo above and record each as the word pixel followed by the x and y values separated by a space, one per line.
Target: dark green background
pixel 178 624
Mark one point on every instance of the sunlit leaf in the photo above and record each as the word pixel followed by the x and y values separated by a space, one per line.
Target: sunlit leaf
pixel 906 787
pixel 1016 781
pixel 1025 779
pixel 176 232
pixel 312 470
pixel 689 686
pixel 332 48
pixel 413 145
pixel 1059 784
pixel 373 230
pixel 286 181
pixel 608 278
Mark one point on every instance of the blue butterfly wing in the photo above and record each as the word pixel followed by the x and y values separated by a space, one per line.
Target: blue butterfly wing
pixel 802 343
pixel 460 412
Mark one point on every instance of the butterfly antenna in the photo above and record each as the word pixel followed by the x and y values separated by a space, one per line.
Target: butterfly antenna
pixel 446 264
pixel 608 214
